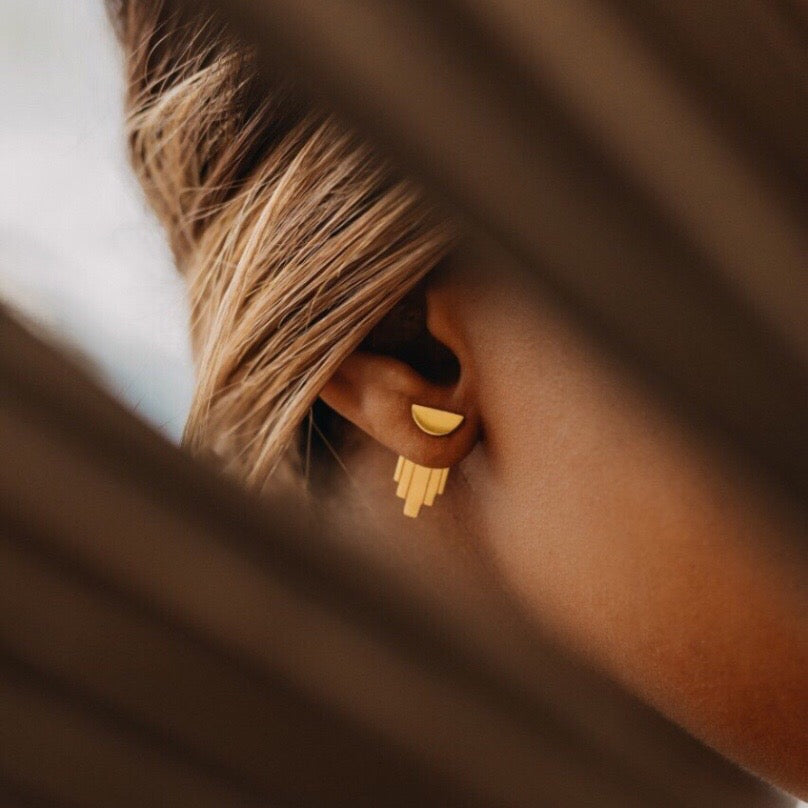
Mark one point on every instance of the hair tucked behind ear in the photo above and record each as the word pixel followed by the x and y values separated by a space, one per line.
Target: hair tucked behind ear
pixel 294 238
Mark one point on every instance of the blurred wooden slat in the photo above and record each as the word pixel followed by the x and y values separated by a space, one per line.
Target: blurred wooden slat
pixel 745 65
pixel 82 759
pixel 15 795
pixel 675 235
pixel 156 608
pixel 251 729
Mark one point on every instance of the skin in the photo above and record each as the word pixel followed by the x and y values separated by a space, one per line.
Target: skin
pixel 627 538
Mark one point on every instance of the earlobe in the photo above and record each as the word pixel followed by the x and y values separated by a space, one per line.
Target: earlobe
pixel 419 485
pixel 377 394
pixel 430 427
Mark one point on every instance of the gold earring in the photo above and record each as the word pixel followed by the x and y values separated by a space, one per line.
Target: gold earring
pixel 419 485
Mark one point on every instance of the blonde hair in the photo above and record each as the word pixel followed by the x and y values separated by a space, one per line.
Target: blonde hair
pixel 294 237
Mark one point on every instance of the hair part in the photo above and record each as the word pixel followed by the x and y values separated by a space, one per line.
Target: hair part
pixel 294 237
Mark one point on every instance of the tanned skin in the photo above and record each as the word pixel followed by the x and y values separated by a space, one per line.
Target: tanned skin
pixel 623 534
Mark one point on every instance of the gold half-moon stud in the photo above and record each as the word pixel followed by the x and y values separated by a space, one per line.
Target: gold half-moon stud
pixel 435 422
pixel 419 485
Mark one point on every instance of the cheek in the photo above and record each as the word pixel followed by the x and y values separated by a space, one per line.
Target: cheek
pixel 625 539
pixel 573 482
pixel 548 464
pixel 581 482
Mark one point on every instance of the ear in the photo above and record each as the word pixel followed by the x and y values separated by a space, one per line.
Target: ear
pixel 416 356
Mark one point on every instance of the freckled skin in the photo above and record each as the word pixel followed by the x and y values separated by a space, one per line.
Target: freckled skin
pixel 621 533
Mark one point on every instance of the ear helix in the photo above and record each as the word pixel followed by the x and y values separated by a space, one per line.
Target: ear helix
pixel 419 485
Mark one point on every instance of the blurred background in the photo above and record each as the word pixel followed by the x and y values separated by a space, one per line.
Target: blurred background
pixel 79 251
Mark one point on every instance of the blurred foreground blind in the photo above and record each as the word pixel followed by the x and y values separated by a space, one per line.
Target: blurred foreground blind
pixel 647 162
pixel 166 641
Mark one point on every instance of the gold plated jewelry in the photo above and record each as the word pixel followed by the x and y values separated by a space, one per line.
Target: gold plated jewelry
pixel 419 485
pixel 435 422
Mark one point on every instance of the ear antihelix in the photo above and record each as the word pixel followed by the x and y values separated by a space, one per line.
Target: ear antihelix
pixel 419 485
